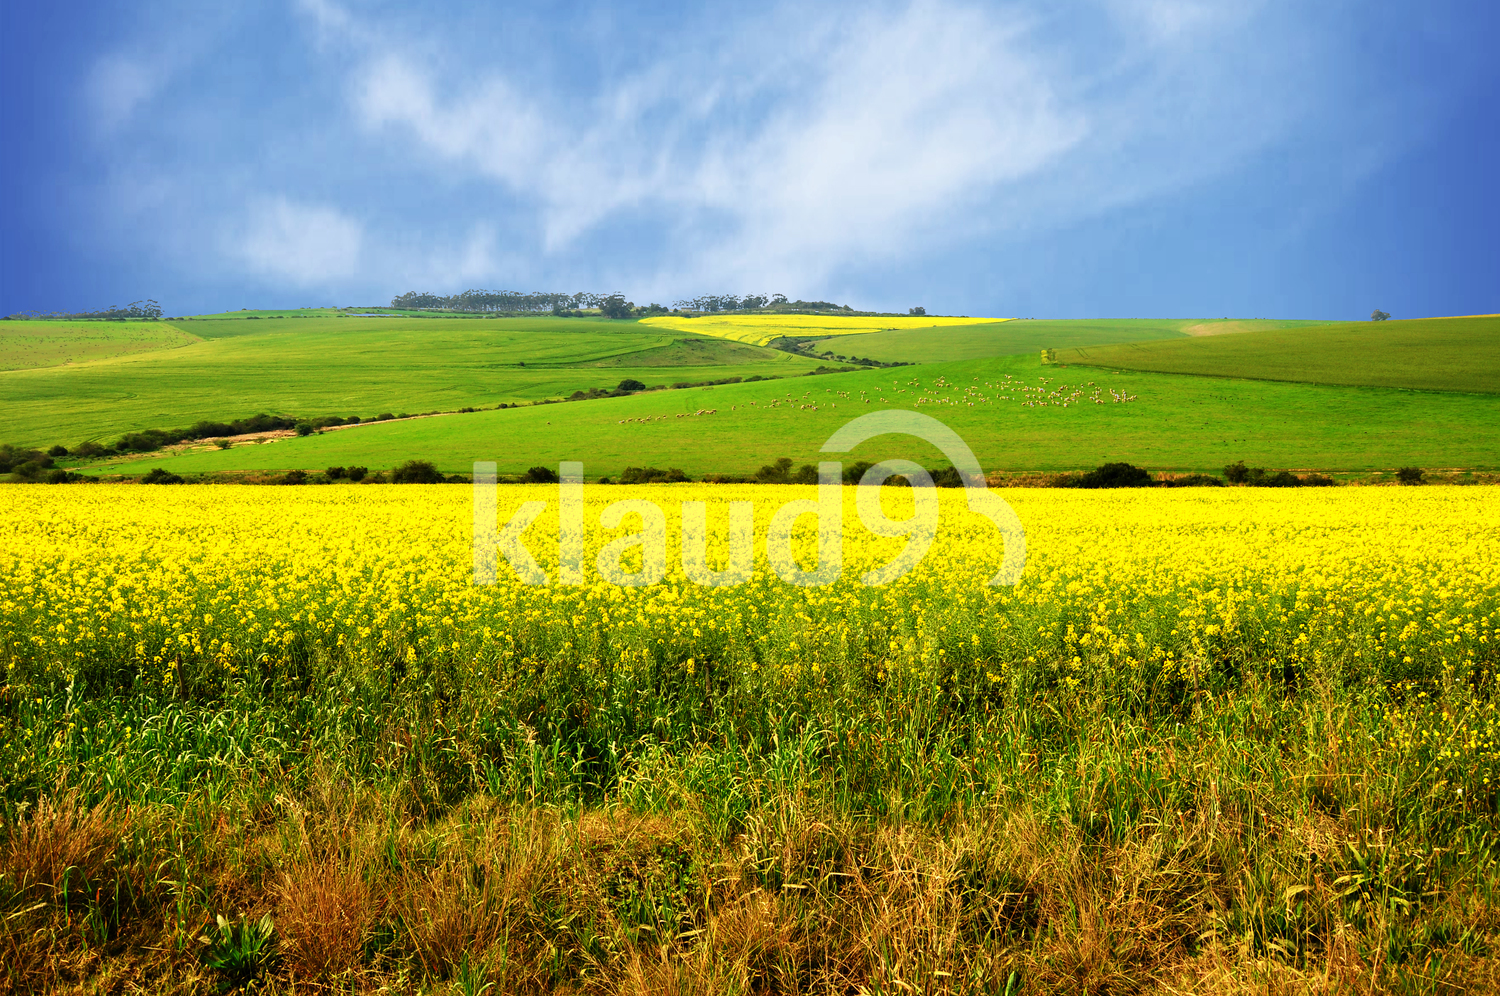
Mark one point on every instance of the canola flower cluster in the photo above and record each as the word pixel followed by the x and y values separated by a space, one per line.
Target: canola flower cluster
pixel 1130 593
pixel 759 330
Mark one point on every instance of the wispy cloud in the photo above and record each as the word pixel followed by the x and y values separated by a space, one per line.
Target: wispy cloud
pixel 894 123
pixel 118 85
pixel 305 245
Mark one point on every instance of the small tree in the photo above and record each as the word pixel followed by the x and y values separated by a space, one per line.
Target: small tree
pixel 615 306
pixel 1379 316
pixel 1410 475
pixel 917 311
pixel 416 472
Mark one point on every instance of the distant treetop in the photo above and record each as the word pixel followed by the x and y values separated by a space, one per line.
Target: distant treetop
pixel 136 309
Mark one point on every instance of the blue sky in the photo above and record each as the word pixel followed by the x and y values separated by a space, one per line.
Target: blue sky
pixel 1098 158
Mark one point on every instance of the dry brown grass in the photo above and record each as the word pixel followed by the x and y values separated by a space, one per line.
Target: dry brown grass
pixel 802 901
pixel 324 911
pixel 61 847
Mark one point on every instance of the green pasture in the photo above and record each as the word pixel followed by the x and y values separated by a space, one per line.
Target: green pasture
pixel 1174 423
pixel 1433 354
pixel 358 366
pixel 48 343
pixel 1024 335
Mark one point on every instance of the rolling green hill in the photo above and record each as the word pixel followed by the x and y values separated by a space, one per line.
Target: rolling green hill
pixel 29 344
pixel 1432 354
pixel 1178 423
pixel 968 342
pixel 357 366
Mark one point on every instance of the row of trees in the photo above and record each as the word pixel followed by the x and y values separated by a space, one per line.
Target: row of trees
pixel 613 305
pixel 148 309
pixel 493 300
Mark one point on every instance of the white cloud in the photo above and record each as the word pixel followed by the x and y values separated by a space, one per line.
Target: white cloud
pixel 302 244
pixel 804 143
pixel 893 122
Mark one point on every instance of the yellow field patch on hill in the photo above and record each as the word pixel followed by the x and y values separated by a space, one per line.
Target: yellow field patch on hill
pixel 28 344
pixel 760 330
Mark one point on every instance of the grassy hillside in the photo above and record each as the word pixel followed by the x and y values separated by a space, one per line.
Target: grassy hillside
pixel 358 366
pixel 1436 354
pixel 968 342
pixel 767 328
pixel 1173 423
pixel 28 344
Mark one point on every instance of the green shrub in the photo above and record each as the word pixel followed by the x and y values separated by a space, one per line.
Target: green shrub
pixel 631 384
pixel 357 473
pixel 88 448
pixel 651 475
pixel 775 473
pixel 947 477
pixel 1194 481
pixel 1111 475
pixel 58 451
pixel 540 475
pixel 335 473
pixel 305 429
pixel 295 477
pixel 161 476
pixel 416 472
pixel 13 458
pixel 1410 475
pixel 1237 472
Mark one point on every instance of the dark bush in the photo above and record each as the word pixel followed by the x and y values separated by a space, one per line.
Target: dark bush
pixel 295 477
pixel 540 475
pixel 806 474
pixel 140 442
pixel 651 475
pixel 305 429
pixel 88 448
pixel 1194 481
pixel 160 476
pixel 947 477
pixel 457 479
pixel 775 473
pixel 1111 475
pixel 335 473
pixel 1318 481
pixel 856 470
pixel 1237 472
pixel 630 384
pixel 58 451
pixel 383 417
pixel 1280 479
pixel 357 473
pixel 12 458
pixel 58 475
pixel 1410 475
pixel 416 472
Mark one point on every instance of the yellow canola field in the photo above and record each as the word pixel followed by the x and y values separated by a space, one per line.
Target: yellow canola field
pixel 760 330
pixel 167 585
